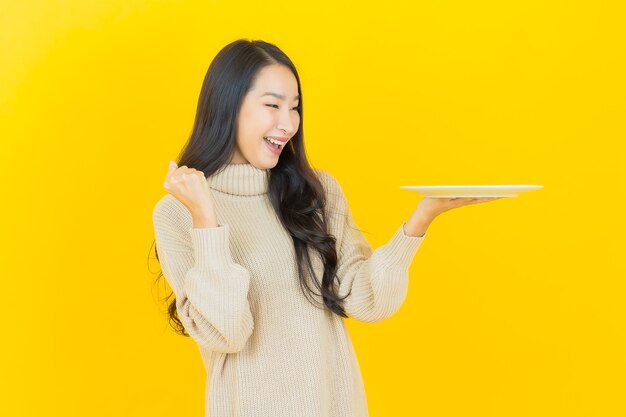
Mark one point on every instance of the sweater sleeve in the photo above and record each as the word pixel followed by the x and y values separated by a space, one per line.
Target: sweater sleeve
pixel 376 280
pixel 211 289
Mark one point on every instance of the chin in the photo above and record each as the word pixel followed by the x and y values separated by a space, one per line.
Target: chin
pixel 264 164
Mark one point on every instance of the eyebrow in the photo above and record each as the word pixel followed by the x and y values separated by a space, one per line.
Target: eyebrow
pixel 280 96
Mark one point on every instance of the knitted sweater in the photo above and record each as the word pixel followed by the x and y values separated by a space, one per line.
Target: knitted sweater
pixel 266 349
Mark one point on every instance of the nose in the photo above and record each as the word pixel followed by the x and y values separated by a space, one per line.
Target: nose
pixel 287 123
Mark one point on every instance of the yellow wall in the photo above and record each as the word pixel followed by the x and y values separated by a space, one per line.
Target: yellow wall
pixel 515 307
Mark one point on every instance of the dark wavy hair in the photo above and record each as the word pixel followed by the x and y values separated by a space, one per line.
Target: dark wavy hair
pixel 295 191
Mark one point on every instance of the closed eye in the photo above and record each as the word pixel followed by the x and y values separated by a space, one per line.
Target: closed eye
pixel 297 108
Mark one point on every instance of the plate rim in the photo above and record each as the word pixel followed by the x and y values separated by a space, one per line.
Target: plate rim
pixel 473 187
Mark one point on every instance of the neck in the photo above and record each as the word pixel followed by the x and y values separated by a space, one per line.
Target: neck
pixel 240 179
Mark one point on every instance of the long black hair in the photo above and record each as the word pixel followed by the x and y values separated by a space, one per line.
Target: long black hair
pixel 295 191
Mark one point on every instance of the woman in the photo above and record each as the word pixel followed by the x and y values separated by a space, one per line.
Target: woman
pixel 262 253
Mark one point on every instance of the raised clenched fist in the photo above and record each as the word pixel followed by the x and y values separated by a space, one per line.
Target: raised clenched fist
pixel 190 187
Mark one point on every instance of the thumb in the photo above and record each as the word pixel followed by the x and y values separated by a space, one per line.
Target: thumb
pixel 170 169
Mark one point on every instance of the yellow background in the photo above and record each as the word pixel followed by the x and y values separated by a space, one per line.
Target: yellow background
pixel 515 308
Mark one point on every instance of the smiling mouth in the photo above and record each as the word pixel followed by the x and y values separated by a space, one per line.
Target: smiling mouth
pixel 274 143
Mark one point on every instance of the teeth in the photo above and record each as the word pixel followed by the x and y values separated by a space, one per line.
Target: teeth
pixel 277 142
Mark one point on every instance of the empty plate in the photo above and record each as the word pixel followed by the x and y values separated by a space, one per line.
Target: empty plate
pixel 453 191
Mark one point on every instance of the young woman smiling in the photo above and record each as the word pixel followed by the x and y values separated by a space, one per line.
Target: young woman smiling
pixel 262 252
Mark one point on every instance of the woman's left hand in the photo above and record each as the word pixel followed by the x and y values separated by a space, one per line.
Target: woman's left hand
pixel 430 207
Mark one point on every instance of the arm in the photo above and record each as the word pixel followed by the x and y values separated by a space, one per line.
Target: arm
pixel 211 289
pixel 377 279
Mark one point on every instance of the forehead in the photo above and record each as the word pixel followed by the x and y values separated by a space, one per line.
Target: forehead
pixel 277 80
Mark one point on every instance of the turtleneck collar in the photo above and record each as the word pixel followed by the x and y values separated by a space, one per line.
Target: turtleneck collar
pixel 240 179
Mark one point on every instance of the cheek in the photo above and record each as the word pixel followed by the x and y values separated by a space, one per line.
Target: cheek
pixel 260 120
pixel 266 119
pixel 254 125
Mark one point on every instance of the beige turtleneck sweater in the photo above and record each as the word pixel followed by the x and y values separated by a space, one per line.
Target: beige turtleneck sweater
pixel 267 350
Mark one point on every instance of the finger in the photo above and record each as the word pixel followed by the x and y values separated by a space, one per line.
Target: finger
pixel 483 199
pixel 171 168
pixel 184 169
pixel 454 201
pixel 463 201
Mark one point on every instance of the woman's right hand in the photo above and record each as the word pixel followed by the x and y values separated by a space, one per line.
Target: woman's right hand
pixel 190 187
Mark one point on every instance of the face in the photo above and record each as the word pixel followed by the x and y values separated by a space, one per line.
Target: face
pixel 268 109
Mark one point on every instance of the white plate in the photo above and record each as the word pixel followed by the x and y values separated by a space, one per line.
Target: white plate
pixel 452 191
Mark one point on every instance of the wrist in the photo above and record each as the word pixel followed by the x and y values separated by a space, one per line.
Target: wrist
pixel 418 223
pixel 203 220
pixel 423 216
